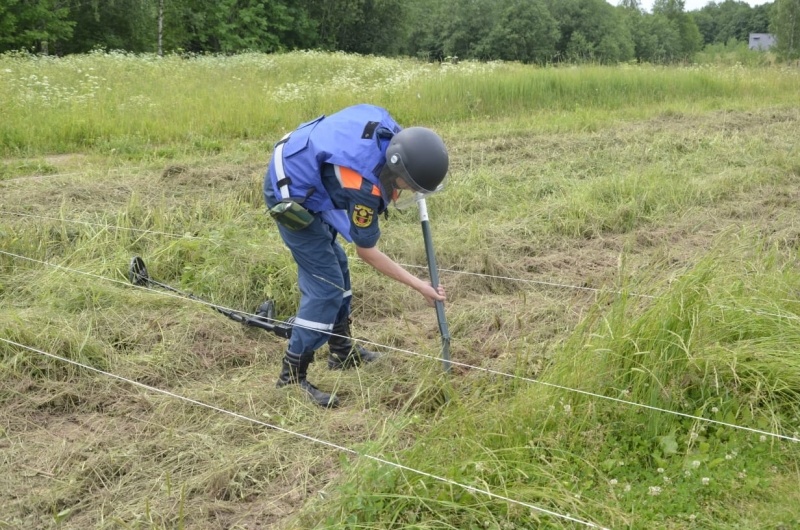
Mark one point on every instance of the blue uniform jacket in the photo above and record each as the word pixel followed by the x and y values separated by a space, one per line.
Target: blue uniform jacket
pixel 355 138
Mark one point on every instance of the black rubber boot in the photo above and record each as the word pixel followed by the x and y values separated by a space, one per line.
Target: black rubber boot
pixel 294 374
pixel 345 354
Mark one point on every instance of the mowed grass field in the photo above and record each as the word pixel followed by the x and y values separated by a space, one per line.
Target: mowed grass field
pixel 620 251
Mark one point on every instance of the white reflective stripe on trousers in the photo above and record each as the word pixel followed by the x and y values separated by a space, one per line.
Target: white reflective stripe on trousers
pixel 309 324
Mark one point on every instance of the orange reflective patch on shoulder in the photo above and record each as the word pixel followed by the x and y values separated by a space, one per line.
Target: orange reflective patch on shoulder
pixel 351 180
pixel 348 178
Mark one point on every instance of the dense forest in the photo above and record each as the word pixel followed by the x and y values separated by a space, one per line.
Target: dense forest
pixel 530 31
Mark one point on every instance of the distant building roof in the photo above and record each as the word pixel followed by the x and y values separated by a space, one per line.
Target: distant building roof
pixel 761 41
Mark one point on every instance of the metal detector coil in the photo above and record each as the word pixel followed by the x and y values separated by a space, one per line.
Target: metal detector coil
pixel 137 272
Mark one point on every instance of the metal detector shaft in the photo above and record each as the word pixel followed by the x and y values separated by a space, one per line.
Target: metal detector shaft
pixel 264 318
pixel 434 273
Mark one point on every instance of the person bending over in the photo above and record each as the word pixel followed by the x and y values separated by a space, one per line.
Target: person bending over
pixel 333 176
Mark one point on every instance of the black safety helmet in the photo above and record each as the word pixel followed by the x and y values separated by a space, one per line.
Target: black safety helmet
pixel 416 165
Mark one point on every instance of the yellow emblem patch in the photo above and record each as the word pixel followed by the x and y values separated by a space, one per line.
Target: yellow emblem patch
pixel 362 215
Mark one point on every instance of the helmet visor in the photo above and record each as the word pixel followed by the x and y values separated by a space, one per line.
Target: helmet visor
pixel 400 188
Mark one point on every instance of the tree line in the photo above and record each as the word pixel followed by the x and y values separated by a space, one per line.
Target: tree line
pixel 530 31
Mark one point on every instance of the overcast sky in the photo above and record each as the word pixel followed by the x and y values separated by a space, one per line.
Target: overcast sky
pixel 692 5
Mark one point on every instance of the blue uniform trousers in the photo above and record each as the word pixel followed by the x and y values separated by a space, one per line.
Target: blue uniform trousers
pixel 323 276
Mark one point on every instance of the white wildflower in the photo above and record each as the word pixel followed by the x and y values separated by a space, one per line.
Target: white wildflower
pixel 655 490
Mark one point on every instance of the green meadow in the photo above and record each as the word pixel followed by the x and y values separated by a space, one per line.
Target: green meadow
pixel 619 247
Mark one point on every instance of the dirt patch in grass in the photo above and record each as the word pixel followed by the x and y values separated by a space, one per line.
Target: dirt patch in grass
pixel 210 176
pixel 65 159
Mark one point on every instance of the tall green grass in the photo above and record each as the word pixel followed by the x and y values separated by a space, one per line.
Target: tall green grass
pixel 733 53
pixel 718 344
pixel 122 103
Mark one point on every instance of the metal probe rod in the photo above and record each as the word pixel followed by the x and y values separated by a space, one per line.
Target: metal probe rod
pixel 434 273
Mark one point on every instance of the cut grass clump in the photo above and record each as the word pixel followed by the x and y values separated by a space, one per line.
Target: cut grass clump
pixel 707 348
pixel 55 336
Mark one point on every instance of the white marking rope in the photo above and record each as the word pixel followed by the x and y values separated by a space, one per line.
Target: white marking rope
pixel 508 278
pixel 98 225
pixel 309 438
pixel 538 282
pixel 425 356
pixel 578 287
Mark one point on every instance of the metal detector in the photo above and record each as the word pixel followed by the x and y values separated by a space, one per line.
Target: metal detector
pixel 264 317
pixel 434 272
